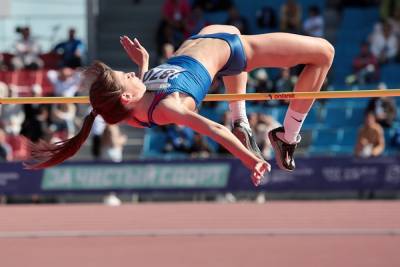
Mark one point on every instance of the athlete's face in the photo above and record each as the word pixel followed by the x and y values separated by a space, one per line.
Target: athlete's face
pixel 133 86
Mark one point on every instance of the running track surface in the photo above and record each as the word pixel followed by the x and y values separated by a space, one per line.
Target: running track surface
pixel 292 234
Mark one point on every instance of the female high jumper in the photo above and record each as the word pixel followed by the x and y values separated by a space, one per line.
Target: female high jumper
pixel 170 93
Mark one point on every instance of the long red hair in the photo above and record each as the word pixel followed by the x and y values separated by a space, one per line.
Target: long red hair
pixel 105 92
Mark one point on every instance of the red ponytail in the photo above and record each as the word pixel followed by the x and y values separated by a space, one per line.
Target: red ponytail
pixel 49 155
pixel 105 92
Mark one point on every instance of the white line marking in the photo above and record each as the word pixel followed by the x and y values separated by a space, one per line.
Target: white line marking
pixel 204 232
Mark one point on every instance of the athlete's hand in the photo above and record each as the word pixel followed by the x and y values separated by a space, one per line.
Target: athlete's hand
pixel 258 171
pixel 136 52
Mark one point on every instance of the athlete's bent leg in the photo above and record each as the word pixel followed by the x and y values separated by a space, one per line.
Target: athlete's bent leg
pixel 287 50
pixel 236 84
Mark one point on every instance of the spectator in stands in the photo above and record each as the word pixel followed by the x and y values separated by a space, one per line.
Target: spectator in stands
pixel 37 121
pixel 3 65
pixel 388 7
pixel 384 44
pixel 65 81
pixel 196 21
pixel 290 17
pixel 365 66
pixel 113 142
pixel 200 147
pixel 384 109
pixel 167 52
pixel 371 140
pixel 97 133
pixel 285 83
pixel 27 51
pixel 11 115
pixel 175 16
pixel 358 3
pixel 213 5
pixel 19 145
pixel 262 84
pixel 36 124
pixel 5 148
pixel 72 50
pixel 227 120
pixel 179 139
pixel 266 18
pixel 235 19
pixel 395 21
pixel 314 24
pixel 4 92
pixel 63 119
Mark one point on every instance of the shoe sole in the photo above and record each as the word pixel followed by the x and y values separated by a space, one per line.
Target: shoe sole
pixel 276 148
pixel 242 136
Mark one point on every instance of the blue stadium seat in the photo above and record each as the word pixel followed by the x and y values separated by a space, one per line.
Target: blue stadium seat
pixel 211 113
pixel 357 115
pixel 348 136
pixel 279 113
pixel 335 103
pixel 336 117
pixel 356 24
pixel 389 133
pixel 325 137
pixel 313 118
pixel 153 143
pixel 360 18
pixel 216 17
pixel 325 142
pixel 248 9
pixel 390 73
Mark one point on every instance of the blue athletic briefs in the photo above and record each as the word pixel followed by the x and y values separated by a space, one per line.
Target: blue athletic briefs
pixel 237 61
pixel 186 75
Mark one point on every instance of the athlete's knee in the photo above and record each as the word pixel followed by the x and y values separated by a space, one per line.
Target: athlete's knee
pixel 233 29
pixel 217 28
pixel 327 52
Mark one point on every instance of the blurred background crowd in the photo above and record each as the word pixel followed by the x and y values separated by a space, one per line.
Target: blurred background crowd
pixel 365 34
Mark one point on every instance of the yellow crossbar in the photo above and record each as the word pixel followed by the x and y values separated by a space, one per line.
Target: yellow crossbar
pixel 222 97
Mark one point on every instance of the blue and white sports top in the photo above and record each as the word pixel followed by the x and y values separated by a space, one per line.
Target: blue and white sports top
pixel 182 74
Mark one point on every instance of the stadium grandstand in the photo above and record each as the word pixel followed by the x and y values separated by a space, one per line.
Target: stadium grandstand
pixel 331 127
pixel 92 210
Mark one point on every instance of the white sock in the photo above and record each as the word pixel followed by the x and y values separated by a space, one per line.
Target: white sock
pixel 292 124
pixel 238 111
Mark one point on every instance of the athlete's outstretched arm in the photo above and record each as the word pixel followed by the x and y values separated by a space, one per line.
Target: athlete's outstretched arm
pixel 217 132
pixel 137 53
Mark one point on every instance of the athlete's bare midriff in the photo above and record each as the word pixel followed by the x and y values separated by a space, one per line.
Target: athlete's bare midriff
pixel 212 53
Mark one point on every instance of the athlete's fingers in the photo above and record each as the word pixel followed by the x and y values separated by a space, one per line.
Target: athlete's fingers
pixel 259 171
pixel 136 41
pixel 127 41
pixel 256 178
pixel 128 47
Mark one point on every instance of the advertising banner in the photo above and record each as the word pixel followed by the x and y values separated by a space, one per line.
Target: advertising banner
pixel 219 175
